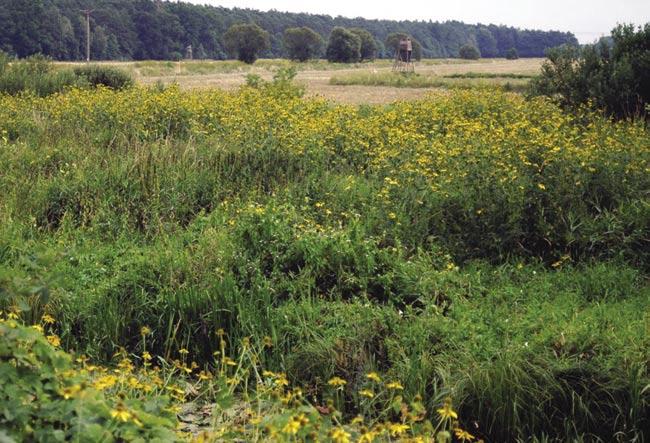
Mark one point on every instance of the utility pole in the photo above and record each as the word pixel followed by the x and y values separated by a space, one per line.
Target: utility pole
pixel 87 12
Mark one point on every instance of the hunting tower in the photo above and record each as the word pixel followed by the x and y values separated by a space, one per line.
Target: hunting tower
pixel 403 56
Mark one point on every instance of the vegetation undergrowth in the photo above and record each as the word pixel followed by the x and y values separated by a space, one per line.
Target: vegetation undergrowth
pixel 471 245
pixel 509 82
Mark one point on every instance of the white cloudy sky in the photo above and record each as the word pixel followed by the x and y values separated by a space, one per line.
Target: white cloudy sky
pixel 588 20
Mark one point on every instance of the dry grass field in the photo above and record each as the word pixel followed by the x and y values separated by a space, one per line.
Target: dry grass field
pixel 316 75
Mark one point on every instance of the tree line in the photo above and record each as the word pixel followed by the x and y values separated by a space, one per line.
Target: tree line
pixel 154 29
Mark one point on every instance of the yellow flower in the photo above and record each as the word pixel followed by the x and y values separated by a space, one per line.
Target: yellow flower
pixel 395 385
pixel 446 411
pixel 463 435
pixel 367 393
pixel 337 382
pixel 54 340
pixel 339 435
pixel 292 427
pixel 48 319
pixel 183 351
pixel 541 186
pixel 121 414
pixel 145 331
pixel 397 429
pixel 70 391
pixel 373 376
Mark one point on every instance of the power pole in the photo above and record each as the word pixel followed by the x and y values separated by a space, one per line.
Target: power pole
pixel 87 12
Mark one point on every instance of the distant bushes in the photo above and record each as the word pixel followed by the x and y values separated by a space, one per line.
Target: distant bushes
pixel 37 75
pixel 610 77
pixel 469 52
pixel 105 76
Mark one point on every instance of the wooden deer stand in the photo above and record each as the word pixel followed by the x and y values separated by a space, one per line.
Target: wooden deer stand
pixel 403 54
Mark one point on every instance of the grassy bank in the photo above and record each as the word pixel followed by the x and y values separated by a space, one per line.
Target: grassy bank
pixel 472 244
pixel 509 82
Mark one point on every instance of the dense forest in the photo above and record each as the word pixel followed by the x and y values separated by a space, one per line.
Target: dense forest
pixel 146 29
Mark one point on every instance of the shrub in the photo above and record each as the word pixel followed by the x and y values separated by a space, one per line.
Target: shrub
pixel 302 44
pixel 344 46
pixel 246 41
pixel 512 54
pixel 97 75
pixel 368 48
pixel 469 52
pixel 36 75
pixel 613 79
pixel 63 402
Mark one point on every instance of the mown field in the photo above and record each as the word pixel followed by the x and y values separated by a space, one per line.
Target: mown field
pixel 470 265
pixel 357 83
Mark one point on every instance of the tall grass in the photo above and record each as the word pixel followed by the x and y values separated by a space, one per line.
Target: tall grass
pixel 510 82
pixel 471 244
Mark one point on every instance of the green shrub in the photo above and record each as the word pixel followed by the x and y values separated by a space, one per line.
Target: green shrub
pixel 512 54
pixel 36 75
pixel 469 52
pixel 110 77
pixel 46 397
pixel 614 78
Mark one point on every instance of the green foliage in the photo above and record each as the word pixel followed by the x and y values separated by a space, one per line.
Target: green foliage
pixel 471 244
pixel 368 49
pixel 46 397
pixel 36 75
pixel 109 77
pixel 512 54
pixel 610 78
pixel 302 44
pixel 510 82
pixel 344 46
pixel 469 52
pixel 148 29
pixel 246 41
pixel 392 44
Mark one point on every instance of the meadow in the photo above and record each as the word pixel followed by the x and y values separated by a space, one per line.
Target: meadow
pixel 469 265
pixel 341 82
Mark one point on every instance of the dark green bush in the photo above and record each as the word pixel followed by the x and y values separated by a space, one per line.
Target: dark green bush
pixel 613 78
pixel 469 52
pixel 107 76
pixel 512 54
pixel 34 74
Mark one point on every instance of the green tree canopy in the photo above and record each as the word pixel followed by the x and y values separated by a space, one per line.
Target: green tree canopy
pixel 344 46
pixel 392 44
pixel 469 52
pixel 512 54
pixel 614 78
pixel 246 41
pixel 368 48
pixel 302 43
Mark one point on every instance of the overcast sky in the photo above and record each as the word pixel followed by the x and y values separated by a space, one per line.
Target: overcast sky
pixel 588 20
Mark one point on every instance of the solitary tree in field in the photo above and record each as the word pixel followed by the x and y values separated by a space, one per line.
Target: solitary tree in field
pixel 246 41
pixel 302 43
pixel 392 44
pixel 368 49
pixel 344 46
pixel 512 54
pixel 469 52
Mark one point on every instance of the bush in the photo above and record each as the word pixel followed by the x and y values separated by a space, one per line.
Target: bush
pixel 97 75
pixel 246 41
pixel 368 48
pixel 344 46
pixel 34 74
pixel 512 54
pixel 614 79
pixel 302 44
pixel 65 403
pixel 469 52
